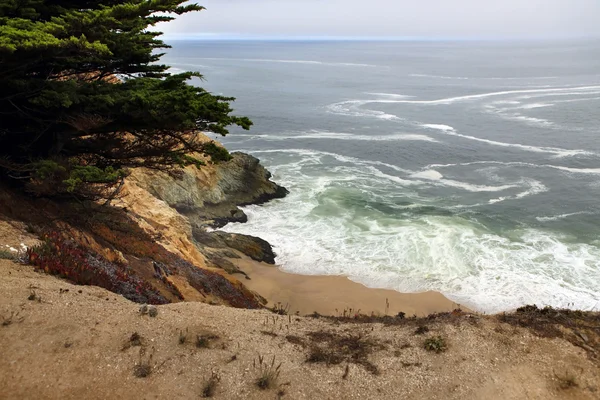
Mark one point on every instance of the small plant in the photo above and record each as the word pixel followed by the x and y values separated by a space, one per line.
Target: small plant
pixel 9 255
pixel 152 311
pixel 346 372
pixel 135 340
pixel 7 321
pixel 143 368
pixel 33 296
pixel 268 373
pixel 421 330
pixel 210 387
pixel 183 336
pixel 204 341
pixel 435 343
pixel 281 309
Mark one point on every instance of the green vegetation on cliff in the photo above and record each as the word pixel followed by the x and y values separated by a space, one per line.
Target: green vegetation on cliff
pixel 83 97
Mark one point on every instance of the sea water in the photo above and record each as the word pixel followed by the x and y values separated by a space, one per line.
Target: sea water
pixel 468 168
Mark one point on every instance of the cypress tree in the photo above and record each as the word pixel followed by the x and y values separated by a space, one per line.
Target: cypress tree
pixel 84 97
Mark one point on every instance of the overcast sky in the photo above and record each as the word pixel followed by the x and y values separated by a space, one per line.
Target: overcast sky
pixel 427 19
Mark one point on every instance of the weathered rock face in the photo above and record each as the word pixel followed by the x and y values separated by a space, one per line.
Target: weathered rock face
pixel 178 211
pixel 157 228
pixel 210 196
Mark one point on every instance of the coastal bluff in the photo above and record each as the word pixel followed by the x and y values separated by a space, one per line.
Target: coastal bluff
pixel 161 228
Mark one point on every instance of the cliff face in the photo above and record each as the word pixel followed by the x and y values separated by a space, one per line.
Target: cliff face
pixel 157 230
pixel 210 196
pixel 178 211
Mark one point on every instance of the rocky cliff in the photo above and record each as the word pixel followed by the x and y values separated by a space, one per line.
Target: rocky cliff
pixel 158 229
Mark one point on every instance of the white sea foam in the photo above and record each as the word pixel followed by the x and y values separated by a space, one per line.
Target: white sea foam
pixel 451 100
pixel 448 130
pixel 561 216
pixel 428 174
pixel 347 136
pixel 594 171
pixel 434 175
pixel 392 95
pixel 535 105
pixel 352 108
pixel 314 235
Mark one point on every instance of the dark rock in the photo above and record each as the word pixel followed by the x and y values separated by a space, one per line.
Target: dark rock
pixel 254 247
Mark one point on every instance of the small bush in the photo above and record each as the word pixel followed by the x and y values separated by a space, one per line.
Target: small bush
pixel 435 343
pixel 421 330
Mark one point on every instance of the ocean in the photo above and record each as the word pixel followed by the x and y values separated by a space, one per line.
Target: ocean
pixel 468 168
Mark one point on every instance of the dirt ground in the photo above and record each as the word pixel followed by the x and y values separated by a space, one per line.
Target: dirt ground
pixel 60 341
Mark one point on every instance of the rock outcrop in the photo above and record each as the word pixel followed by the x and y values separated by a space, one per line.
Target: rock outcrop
pixel 157 229
pixel 210 196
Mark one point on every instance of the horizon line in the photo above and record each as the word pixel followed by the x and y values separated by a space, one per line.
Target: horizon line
pixel 292 38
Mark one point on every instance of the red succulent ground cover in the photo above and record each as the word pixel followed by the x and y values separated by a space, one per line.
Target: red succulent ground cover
pixel 70 261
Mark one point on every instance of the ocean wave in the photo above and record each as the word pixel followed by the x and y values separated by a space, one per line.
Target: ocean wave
pixel 562 216
pixel 574 170
pixel 347 136
pixel 352 108
pixel 558 152
pixel 432 250
pixel 451 100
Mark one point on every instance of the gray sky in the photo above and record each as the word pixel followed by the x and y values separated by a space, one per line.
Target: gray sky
pixel 433 19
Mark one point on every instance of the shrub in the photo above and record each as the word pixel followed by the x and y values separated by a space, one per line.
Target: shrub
pixel 436 343
pixel 64 258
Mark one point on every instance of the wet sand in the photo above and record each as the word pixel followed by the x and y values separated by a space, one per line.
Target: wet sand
pixel 331 295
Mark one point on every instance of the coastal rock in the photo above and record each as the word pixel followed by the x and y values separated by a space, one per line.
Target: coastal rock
pixel 210 196
pixel 252 246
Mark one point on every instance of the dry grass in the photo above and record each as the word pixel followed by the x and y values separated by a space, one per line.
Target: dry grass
pixel 205 340
pixel 332 349
pixel 268 374
pixel 144 367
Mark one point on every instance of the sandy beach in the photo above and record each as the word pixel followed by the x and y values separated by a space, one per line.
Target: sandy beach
pixel 331 295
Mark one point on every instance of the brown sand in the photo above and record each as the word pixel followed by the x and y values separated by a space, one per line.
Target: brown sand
pixel 331 295
pixel 74 343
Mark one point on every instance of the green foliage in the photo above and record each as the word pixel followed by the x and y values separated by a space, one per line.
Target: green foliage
pixel 216 153
pixel 436 344
pixel 83 95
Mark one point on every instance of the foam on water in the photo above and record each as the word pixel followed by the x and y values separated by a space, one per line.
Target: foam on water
pixel 448 130
pixel 331 224
pixel 593 171
pixel 325 135
pixel 561 216
pixel 352 108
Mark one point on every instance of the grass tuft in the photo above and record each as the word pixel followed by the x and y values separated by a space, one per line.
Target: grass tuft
pixel 268 375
